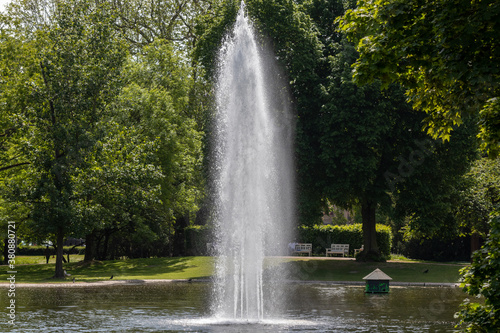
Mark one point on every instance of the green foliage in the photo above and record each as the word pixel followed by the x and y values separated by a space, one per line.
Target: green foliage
pixel 355 145
pixel 481 279
pixel 119 188
pixel 443 52
pixel 296 42
pixel 110 148
pixel 143 22
pixel 322 236
pixel 490 127
pixel 73 73
pixel 436 248
pixel 211 30
pixel 156 103
pixel 428 197
pixel 480 196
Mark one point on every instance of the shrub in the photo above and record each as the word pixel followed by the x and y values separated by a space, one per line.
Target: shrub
pixel 322 236
pixel 436 249
pixel 481 280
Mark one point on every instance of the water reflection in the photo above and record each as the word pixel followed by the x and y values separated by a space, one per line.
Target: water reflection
pixel 183 307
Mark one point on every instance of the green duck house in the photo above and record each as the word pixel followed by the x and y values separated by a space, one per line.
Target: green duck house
pixel 377 282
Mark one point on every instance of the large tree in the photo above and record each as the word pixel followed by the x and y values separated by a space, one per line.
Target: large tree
pixel 445 53
pixel 142 21
pixel 117 196
pixel 355 145
pixel 371 149
pixel 71 73
pixel 158 102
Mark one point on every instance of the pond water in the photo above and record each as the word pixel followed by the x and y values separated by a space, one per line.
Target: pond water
pixel 184 307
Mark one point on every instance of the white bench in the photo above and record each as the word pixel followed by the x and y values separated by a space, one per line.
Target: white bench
pixel 303 248
pixel 342 249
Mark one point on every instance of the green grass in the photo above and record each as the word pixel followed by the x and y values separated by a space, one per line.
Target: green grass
pixel 401 257
pixel 350 270
pixel 34 270
pixel 29 260
pixel 127 269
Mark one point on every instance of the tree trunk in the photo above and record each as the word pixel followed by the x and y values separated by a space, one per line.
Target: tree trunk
pixel 179 237
pixel 475 243
pixel 59 274
pixel 371 249
pixel 97 248
pixel 107 233
pixel 89 247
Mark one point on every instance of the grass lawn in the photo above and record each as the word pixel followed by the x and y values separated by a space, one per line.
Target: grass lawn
pixel 126 269
pixel 34 270
pixel 350 270
pixel 26 260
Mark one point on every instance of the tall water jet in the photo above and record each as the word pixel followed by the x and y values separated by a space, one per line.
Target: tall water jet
pixel 254 176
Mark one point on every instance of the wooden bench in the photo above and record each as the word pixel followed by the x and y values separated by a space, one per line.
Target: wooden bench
pixel 342 249
pixel 356 251
pixel 303 248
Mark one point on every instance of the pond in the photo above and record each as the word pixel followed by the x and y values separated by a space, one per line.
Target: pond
pixel 184 307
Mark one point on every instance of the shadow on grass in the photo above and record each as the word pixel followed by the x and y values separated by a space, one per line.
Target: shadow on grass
pixel 128 269
pixel 161 268
pixel 350 270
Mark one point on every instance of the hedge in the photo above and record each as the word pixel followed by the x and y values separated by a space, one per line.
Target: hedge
pixel 457 249
pixel 322 236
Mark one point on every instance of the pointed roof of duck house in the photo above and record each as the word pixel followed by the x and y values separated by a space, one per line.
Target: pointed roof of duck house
pixel 377 275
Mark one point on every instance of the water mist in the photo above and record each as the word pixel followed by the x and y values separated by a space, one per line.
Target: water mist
pixel 254 177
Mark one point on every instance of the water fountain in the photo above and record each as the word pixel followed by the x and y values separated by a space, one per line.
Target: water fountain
pixel 254 181
pixel 253 176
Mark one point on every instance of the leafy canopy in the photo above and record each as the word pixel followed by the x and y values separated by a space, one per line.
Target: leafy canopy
pixel 445 53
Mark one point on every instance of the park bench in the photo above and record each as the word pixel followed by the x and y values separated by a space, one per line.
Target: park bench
pixel 342 249
pixel 356 251
pixel 303 248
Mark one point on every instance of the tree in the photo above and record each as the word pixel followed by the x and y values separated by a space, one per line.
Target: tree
pixel 357 145
pixel 143 22
pixel 481 279
pixel 479 197
pixel 352 141
pixel 70 76
pixel 118 195
pixel 158 102
pixel 445 54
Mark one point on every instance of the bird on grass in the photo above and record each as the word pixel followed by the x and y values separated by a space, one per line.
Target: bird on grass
pixel 426 271
pixel 111 277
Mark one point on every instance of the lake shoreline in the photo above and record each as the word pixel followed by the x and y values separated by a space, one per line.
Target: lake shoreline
pixel 132 282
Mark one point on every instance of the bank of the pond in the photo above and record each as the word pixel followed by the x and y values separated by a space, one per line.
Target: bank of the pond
pixel 97 284
pixel 300 269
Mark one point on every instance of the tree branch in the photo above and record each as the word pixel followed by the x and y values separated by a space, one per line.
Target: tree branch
pixel 13 166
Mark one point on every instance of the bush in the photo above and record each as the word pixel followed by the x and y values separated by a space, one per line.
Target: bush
pixel 322 236
pixel 457 249
pixel 481 280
